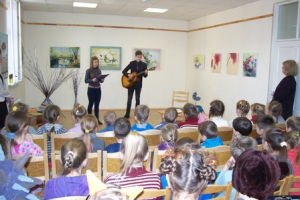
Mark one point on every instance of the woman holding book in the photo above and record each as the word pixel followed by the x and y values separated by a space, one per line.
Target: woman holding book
pixel 94 88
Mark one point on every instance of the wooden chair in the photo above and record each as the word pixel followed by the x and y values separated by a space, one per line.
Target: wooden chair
pixel 223 153
pixel 112 163
pixel 296 179
pixel 40 140
pixel 152 136
pixel 212 189
pixel 280 125
pixel 284 186
pixel 181 97
pixel 57 140
pixel 150 194
pixel 254 134
pixel 189 132
pixel 226 134
pixel 37 166
pixel 94 164
pixel 108 137
pixel 157 159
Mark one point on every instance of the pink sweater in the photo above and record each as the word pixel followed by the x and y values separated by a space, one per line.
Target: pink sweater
pixel 26 147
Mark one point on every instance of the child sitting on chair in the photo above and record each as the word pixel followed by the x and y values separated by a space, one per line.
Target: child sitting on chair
pixel 256 110
pixel 293 124
pixel 169 135
pixel 242 109
pixel 209 134
pixel 275 110
pixel 262 123
pixel 242 126
pixel 191 116
pixel 72 182
pixel 109 120
pixel 78 113
pixel 216 111
pixel 121 130
pixel 170 116
pixel 141 115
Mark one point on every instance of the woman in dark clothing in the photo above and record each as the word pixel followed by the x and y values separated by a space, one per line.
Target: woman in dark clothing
pixel 94 88
pixel 285 91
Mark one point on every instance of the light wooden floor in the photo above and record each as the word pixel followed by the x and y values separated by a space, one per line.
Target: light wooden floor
pixel 67 121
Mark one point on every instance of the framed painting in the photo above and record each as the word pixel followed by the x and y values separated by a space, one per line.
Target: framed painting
pixel 216 62
pixel 152 57
pixel 65 57
pixel 3 55
pixel 232 63
pixel 250 64
pixel 110 58
pixel 198 61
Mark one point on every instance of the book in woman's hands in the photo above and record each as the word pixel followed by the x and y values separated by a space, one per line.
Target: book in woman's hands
pixel 102 76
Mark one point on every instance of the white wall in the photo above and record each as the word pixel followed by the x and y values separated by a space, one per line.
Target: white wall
pixel 157 88
pixel 247 37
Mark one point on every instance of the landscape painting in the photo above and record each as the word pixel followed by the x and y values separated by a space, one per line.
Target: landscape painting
pixel 110 58
pixel 152 57
pixel 65 57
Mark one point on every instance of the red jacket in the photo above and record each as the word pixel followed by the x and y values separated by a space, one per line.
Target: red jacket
pixel 292 154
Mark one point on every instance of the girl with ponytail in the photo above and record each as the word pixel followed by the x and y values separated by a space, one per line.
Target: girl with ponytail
pixel 274 143
pixel 169 135
pixel 72 182
pixel 89 127
pixel 275 110
pixel 78 113
pixel 187 172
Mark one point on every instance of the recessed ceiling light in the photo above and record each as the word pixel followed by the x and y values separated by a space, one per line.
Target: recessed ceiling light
pixel 157 10
pixel 84 5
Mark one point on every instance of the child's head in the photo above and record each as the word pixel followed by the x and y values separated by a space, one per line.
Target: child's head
pixel 187 172
pixel 290 68
pixel 78 112
pixel 51 114
pixel 263 122
pixel 17 123
pixel 241 144
pixel 190 111
pixel 134 150
pixel 208 130
pixel 275 109
pixel 256 174
pixel 258 109
pixel 73 156
pixel 293 124
pixel 242 126
pixel 217 109
pixel 186 142
pixel 170 115
pixel 274 143
pixel 110 118
pixel 122 128
pixel 142 113
pixel 242 108
pixel 89 124
pixel 20 107
pixel 292 139
pixel 169 134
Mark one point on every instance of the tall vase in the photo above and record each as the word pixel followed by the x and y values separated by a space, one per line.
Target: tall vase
pixel 76 100
pixel 47 101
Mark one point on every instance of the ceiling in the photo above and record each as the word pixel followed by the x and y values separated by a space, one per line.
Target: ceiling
pixel 178 9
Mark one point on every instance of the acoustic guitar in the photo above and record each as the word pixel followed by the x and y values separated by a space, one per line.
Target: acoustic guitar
pixel 128 82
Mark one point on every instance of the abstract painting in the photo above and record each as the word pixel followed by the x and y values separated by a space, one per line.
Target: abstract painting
pixel 250 64
pixel 110 58
pixel 198 61
pixel 232 63
pixel 152 57
pixel 216 62
pixel 64 57
pixel 3 55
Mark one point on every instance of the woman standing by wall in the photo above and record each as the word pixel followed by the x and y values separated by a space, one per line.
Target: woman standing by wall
pixel 94 87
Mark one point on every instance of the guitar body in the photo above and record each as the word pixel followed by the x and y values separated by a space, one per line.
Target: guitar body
pixel 129 83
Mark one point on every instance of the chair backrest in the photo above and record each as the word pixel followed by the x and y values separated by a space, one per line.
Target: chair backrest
pixel 226 134
pixel 280 125
pixel 40 140
pixel 284 186
pixel 157 159
pixel 57 140
pixel 212 189
pixel 151 194
pixel 296 179
pixel 37 166
pixel 223 153
pixel 253 133
pixel 112 163
pixel 189 132
pixel 108 137
pixel 181 97
pixel 152 136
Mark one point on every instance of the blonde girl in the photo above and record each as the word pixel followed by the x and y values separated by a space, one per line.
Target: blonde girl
pixel 275 110
pixel 169 135
pixel 78 113
pixel 257 109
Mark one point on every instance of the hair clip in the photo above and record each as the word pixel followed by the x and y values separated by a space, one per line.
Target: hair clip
pixel 169 152
pixel 282 130
pixel 14 108
pixel 87 131
pixel 213 162
pixel 11 136
pixel 282 144
pixel 70 153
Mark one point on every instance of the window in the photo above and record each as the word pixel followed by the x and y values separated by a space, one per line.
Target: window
pixel 14 42
pixel 287 21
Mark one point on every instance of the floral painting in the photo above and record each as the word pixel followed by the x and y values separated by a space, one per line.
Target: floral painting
pixel 250 64
pixel 110 58
pixel 216 63
pixel 198 61
pixel 232 63
pixel 152 57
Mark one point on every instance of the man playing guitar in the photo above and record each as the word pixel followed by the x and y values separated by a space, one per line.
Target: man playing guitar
pixel 135 66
